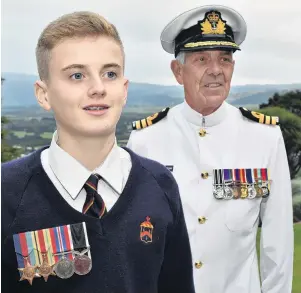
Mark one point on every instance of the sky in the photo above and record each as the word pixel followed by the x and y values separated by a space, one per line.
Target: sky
pixel 270 54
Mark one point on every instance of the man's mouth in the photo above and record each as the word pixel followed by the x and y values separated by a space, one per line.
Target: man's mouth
pixel 213 85
pixel 96 108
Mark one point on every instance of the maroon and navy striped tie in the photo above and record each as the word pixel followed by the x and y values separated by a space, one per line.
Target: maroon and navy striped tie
pixel 94 205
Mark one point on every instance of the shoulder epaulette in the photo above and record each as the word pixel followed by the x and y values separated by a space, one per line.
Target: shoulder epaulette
pixel 150 120
pixel 259 117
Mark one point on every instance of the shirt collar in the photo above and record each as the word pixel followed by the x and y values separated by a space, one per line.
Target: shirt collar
pixel 196 118
pixel 73 175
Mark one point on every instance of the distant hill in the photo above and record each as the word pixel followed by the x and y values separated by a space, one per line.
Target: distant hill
pixel 17 90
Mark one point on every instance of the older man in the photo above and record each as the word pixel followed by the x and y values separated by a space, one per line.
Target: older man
pixel 230 164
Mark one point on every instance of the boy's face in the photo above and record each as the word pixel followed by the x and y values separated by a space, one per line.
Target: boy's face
pixel 86 88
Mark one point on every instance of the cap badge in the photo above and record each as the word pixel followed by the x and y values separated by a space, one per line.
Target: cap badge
pixel 213 24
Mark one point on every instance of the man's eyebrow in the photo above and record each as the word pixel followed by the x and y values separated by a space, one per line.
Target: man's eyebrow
pixel 74 66
pixel 228 53
pixel 110 65
pixel 81 66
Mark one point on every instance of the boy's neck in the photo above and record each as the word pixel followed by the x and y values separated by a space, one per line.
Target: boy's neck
pixel 89 151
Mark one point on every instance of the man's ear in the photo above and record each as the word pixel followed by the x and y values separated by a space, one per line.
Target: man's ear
pixel 177 69
pixel 126 88
pixel 41 94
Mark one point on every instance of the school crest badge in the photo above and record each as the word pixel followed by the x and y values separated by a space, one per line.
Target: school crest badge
pixel 146 231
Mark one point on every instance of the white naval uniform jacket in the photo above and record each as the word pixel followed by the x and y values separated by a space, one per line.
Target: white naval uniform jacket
pixel 224 247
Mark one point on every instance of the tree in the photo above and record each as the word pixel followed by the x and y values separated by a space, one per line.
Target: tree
pixel 290 101
pixel 290 125
pixel 8 152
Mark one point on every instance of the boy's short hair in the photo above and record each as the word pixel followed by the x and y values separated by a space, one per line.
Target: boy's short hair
pixel 73 25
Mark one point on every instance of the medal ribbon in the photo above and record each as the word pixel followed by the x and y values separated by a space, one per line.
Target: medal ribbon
pixel 44 245
pixel 220 177
pixel 255 176
pixel 237 176
pixel 227 175
pixel 264 174
pixel 243 176
pixel 249 176
pixel 215 177
pixel 26 249
pixel 79 238
pixel 259 175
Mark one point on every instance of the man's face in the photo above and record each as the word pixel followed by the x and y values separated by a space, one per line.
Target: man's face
pixel 206 77
pixel 86 88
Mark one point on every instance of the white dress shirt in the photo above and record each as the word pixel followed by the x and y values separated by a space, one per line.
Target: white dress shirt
pixel 69 176
pixel 224 246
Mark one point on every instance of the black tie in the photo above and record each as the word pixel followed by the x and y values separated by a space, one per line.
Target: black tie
pixel 94 205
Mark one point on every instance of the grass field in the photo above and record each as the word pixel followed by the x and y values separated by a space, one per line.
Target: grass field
pixel 297 259
pixel 22 134
pixel 46 135
pixel 297 198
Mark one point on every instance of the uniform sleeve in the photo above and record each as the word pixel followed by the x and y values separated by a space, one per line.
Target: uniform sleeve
pixel 176 274
pixel 276 248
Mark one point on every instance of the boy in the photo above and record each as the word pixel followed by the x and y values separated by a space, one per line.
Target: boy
pixel 84 215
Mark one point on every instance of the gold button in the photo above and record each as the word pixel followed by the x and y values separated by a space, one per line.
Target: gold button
pixel 198 264
pixel 205 175
pixel 202 132
pixel 202 220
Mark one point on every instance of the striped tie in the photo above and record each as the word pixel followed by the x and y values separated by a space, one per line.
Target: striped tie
pixel 94 205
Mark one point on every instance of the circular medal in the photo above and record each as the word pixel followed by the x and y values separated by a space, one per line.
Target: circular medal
pixel 218 192
pixel 265 191
pixel 228 192
pixel 251 192
pixel 82 264
pixel 64 269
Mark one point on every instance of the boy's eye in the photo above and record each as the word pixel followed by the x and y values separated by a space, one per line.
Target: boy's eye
pixel 77 75
pixel 111 74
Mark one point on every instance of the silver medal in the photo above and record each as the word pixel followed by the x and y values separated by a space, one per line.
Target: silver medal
pixel 228 192
pixel 64 269
pixel 218 192
pixel 251 192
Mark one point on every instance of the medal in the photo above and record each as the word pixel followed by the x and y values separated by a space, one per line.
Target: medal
pixel 257 175
pixel 29 272
pixel 218 190
pixel 27 256
pixel 243 188
pixel 264 187
pixel 236 183
pixel 82 264
pixel 45 269
pixel 62 250
pixel 250 180
pixel 64 269
pixel 43 245
pixel 227 181
pixel 82 259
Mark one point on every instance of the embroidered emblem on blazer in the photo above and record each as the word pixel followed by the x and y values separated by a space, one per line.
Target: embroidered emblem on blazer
pixel 146 231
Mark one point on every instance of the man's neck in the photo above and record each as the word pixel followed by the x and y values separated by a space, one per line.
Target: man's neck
pixel 89 151
pixel 204 111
